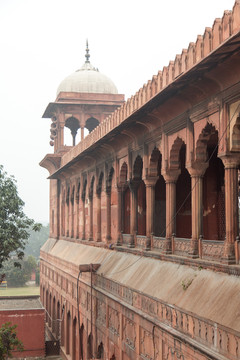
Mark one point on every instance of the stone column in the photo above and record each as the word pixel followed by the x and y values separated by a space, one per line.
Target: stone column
pixel 82 133
pixel 83 218
pixel 197 173
pixel 108 206
pixel 133 185
pixel 170 177
pixel 231 164
pixel 90 217
pixel 120 213
pixel 99 236
pixel 77 216
pixel 150 209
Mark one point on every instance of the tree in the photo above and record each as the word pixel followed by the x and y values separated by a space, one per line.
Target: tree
pixel 14 224
pixel 19 277
pixel 36 241
pixel 9 340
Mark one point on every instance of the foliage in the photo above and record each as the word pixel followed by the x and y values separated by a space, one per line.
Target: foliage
pixel 19 276
pixel 9 340
pixel 36 240
pixel 14 224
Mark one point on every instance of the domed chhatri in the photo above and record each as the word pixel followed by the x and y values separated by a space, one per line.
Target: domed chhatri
pixel 87 79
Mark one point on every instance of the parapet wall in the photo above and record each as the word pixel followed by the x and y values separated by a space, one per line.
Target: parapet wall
pixel 221 30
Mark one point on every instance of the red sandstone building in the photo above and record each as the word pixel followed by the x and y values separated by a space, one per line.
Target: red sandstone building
pixel 142 261
pixel 28 314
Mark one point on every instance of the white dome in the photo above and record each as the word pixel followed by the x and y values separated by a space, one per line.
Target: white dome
pixel 87 80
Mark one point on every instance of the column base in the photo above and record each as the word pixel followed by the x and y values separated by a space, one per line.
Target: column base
pixel 148 244
pixel 229 260
pixel 167 246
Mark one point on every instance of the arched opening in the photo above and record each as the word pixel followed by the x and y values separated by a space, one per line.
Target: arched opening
pixel 68 332
pixel 160 194
pixel 100 351
pixel 63 326
pixel 89 347
pixel 47 307
pixel 235 146
pixel 74 340
pixel 183 199
pixel 58 324
pixel 213 193
pixel 73 125
pixel 81 340
pixel 54 316
pixel 91 124
pixel 141 196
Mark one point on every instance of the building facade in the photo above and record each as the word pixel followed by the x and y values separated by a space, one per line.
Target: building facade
pixel 142 261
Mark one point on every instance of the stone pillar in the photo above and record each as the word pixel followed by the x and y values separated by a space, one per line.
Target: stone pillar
pixel 231 207
pixel 133 185
pixel 197 173
pixel 83 218
pixel 90 217
pixel 77 216
pixel 99 235
pixel 171 179
pixel 108 206
pixel 120 213
pixel 82 133
pixel 150 209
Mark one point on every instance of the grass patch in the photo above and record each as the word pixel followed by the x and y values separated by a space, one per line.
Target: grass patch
pixel 18 291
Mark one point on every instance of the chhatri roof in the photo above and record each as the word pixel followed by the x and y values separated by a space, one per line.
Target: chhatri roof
pixel 87 79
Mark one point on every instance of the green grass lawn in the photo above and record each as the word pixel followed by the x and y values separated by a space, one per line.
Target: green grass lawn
pixel 26 290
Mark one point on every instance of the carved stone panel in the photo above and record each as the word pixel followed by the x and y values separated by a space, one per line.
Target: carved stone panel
pixel 129 332
pixel 147 345
pixel 101 312
pixel 114 320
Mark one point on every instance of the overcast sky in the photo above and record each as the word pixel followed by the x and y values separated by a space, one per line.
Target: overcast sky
pixel 43 41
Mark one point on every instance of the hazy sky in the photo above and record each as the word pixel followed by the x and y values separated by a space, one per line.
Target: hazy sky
pixel 43 41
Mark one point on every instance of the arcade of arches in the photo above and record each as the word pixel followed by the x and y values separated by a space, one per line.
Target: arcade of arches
pixel 142 260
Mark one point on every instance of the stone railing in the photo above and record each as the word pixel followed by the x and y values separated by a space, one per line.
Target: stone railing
pixel 181 246
pixel 211 250
pixel 222 340
pixel 221 30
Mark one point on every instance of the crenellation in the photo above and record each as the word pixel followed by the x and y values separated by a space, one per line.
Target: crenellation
pixel 226 25
pixel 216 33
pixel 191 55
pixel 199 49
pixel 236 17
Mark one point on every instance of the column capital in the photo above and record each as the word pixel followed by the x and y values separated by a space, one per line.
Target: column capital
pixel 197 169
pixel 171 176
pixel 150 181
pixel 230 161
pixel 133 184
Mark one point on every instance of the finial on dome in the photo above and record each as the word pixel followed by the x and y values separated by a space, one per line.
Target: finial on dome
pixel 87 56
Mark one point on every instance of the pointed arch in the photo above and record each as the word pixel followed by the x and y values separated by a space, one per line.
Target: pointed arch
pixel 175 153
pixel 123 173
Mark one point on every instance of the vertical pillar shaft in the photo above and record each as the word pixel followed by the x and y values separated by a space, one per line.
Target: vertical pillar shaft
pixel 231 210
pixel 119 209
pixel 108 205
pixel 133 213
pixel 99 235
pixel 150 207
pixel 197 213
pixel 82 133
pixel 83 219
pixel 90 217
